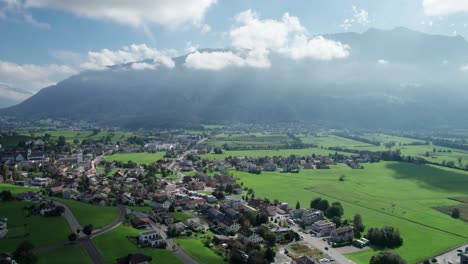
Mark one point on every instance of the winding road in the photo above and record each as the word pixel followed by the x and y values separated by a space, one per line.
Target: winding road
pixel 84 240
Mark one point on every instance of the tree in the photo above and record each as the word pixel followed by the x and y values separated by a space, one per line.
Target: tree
pixel 88 229
pixel 270 255
pixel 386 236
pixel 336 210
pixel 298 205
pixel 218 150
pixel 387 257
pixel 323 205
pixel 315 203
pixel 171 208
pixel 357 223
pixel 342 177
pixel 61 141
pixel 270 238
pixel 72 237
pixel 6 196
pixel 336 220
pixel 23 253
pixel 456 213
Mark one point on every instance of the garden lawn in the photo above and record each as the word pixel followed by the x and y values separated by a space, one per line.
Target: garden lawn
pixel 387 193
pixel 115 244
pixel 40 231
pixel 74 254
pixel 195 248
pixel 182 216
pixel 98 216
pixel 140 157
pixel 15 189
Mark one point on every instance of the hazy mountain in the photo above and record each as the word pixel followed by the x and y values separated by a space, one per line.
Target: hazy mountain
pixel 393 79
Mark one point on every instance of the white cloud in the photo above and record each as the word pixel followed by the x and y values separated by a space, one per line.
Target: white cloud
pixel 382 62
pixel 464 68
pixel 19 81
pixel 360 16
pixel 172 13
pixel 219 60
pixel 132 53
pixel 253 32
pixel 444 7
pixel 14 10
pixel 143 66
pixel 253 39
pixel 318 48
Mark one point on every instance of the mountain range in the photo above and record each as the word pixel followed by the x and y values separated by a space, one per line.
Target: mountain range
pixel 393 79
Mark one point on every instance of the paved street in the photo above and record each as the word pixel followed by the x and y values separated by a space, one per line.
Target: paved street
pixel 318 243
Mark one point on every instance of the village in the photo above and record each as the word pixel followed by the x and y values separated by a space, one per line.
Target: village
pixel 205 189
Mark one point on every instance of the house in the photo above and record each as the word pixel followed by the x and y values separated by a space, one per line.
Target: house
pixel 229 226
pixel 311 216
pixel 234 203
pixel 179 227
pixel 140 222
pixel 42 182
pixel 195 225
pixel 3 227
pixel 214 215
pixel 323 228
pixel 245 235
pixel 46 208
pixel 137 258
pixel 28 197
pixel 211 199
pixel 342 234
pixel 305 260
pixel 151 238
pixel 464 258
pixel 6 258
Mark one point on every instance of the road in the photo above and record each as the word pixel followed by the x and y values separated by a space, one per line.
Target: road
pixel 171 245
pixel 84 240
pixel 182 157
pixel 318 243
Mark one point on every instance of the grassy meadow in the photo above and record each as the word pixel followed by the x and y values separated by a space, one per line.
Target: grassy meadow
pixel 40 231
pixel 115 244
pixel 73 254
pixel 70 135
pixel 387 193
pixel 139 158
pixel 195 248
pixel 98 216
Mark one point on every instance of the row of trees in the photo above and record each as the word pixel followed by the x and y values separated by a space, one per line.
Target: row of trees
pixel 385 237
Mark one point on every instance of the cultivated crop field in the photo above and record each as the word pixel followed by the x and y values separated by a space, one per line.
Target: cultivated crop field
pixel 115 244
pixel 140 157
pixel 387 193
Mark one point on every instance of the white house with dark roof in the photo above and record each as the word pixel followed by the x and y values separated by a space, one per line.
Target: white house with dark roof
pixel 3 227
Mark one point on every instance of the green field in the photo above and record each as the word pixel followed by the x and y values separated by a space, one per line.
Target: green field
pixel 40 231
pixel 140 157
pixel 98 216
pixel 270 153
pixel 70 135
pixel 182 216
pixel 195 248
pixel 73 254
pixel 413 189
pixel 115 244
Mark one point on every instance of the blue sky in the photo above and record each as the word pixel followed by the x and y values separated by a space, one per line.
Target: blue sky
pixel 44 41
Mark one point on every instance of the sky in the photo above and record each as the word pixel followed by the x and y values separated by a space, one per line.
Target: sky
pixel 45 41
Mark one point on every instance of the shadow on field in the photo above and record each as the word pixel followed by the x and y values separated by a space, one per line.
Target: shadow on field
pixel 431 177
